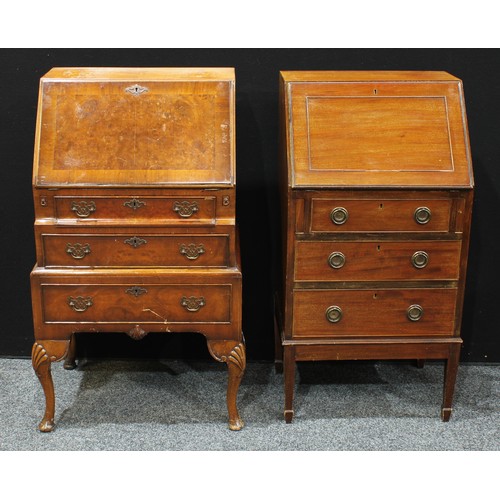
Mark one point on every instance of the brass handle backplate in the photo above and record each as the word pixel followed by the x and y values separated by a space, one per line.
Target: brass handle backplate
pixel 420 259
pixel 79 304
pixel 333 314
pixel 422 215
pixel 339 215
pixel 336 260
pixel 77 250
pixel 185 208
pixel 83 208
pixel 415 312
pixel 192 304
pixel 192 251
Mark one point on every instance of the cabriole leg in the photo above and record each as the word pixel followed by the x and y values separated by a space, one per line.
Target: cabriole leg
pixel 233 354
pixel 42 356
pixel 236 363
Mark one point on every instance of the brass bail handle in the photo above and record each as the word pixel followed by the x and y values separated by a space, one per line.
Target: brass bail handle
pixel 191 250
pixel 193 304
pixel 80 304
pixel 83 208
pixel 78 250
pixel 185 208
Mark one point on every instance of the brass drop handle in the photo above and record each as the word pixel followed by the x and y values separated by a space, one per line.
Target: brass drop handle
pixel 334 314
pixel 420 259
pixel 415 312
pixel 78 250
pixel 336 260
pixel 80 304
pixel 422 215
pixel 192 304
pixel 339 215
pixel 192 251
pixel 185 208
pixel 83 208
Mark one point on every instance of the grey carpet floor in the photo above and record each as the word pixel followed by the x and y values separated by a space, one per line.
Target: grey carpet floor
pixel 179 405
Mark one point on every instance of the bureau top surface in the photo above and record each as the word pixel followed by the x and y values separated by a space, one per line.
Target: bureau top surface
pixel 143 74
pixel 375 129
pixel 135 126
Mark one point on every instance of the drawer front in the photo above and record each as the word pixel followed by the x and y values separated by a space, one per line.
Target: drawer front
pixel 167 210
pixel 137 303
pixel 377 260
pixel 333 216
pixel 135 250
pixel 382 313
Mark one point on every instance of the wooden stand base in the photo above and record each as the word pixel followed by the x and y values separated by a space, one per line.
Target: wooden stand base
pixel 44 352
pixel 366 349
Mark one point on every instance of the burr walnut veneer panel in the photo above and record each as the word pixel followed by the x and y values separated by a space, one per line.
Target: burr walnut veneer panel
pixel 168 129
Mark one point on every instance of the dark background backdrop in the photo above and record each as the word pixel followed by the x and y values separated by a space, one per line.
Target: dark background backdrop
pixel 257 192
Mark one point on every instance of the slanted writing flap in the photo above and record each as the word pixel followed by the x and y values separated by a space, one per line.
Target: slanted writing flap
pixel 377 133
pixel 131 127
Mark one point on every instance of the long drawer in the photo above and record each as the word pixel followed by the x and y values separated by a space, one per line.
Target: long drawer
pixel 134 249
pixel 377 312
pixel 343 215
pixel 377 260
pixel 137 303
pixel 170 210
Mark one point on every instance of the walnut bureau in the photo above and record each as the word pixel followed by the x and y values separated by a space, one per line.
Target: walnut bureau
pixel 377 187
pixel 134 193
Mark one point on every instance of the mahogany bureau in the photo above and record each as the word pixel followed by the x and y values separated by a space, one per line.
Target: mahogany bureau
pixel 377 187
pixel 134 192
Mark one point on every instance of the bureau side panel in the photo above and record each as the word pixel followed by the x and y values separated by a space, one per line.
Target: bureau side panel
pixel 467 218
pixel 287 215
